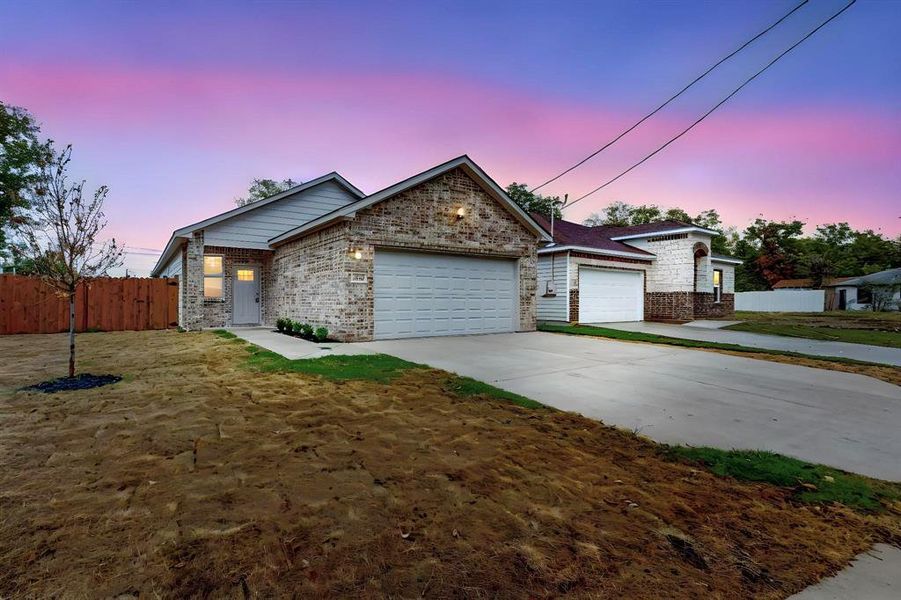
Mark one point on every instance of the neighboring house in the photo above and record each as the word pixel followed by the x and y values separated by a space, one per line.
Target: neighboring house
pixel 444 252
pixel 805 284
pixel 859 293
pixel 657 271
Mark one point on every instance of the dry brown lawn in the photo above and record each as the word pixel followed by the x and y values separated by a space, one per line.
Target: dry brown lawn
pixel 196 477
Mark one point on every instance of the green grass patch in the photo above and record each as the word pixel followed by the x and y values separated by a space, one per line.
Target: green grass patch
pixel 381 368
pixel 466 386
pixel 873 337
pixel 823 484
pixel 637 336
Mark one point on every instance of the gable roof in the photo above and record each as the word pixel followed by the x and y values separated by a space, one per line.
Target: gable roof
pixel 806 283
pixel 888 277
pixel 183 232
pixel 462 162
pixel 569 235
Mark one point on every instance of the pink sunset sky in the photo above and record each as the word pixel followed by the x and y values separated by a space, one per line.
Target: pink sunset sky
pixel 177 109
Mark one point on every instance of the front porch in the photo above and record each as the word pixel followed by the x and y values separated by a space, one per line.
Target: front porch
pixel 223 286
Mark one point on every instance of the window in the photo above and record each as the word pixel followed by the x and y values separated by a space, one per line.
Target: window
pixel 717 285
pixel 245 275
pixel 213 276
pixel 864 295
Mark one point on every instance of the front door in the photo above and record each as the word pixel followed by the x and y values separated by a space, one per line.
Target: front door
pixel 842 299
pixel 246 288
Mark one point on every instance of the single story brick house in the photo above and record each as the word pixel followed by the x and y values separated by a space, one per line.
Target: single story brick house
pixel 444 252
pixel 656 271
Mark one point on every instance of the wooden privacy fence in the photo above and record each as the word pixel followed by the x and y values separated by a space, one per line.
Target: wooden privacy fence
pixel 28 305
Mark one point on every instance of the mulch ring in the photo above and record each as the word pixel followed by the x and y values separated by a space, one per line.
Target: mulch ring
pixel 84 381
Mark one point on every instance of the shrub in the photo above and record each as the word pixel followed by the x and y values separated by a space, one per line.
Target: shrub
pixel 281 324
pixel 321 334
pixel 306 331
pixel 297 328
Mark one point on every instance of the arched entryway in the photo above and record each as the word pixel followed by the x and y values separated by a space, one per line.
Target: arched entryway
pixel 701 251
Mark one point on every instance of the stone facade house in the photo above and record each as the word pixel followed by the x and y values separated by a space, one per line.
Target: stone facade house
pixel 444 252
pixel 661 271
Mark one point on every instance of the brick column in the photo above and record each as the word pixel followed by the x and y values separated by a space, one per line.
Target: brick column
pixel 574 305
pixel 192 287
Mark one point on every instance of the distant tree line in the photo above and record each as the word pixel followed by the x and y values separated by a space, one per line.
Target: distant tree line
pixel 770 250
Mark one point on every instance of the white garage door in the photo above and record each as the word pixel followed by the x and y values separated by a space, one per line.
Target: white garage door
pixel 420 294
pixel 610 296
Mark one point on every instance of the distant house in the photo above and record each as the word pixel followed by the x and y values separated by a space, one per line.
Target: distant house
pixel 663 271
pixel 805 284
pixel 860 293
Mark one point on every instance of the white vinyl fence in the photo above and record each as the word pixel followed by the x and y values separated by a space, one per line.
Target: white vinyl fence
pixel 781 301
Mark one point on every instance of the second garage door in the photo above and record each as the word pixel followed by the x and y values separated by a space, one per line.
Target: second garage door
pixel 610 296
pixel 421 294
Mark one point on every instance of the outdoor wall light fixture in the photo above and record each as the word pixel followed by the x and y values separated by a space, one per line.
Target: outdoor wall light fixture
pixel 358 254
pixel 461 212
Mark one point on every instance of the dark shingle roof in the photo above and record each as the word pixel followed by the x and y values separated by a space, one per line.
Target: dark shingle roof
pixel 658 226
pixel 573 234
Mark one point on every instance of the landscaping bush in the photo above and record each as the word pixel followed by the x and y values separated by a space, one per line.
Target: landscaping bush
pixel 321 334
pixel 306 331
pixel 297 328
pixel 281 324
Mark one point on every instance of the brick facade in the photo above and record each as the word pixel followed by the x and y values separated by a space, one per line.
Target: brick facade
pixel 669 306
pixel 706 308
pixel 319 280
pixel 310 280
pixel 191 315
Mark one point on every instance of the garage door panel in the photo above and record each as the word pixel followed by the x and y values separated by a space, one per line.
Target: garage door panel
pixel 420 294
pixel 609 296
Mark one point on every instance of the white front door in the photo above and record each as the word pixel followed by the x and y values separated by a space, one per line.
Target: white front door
pixel 607 296
pixel 246 290
pixel 418 294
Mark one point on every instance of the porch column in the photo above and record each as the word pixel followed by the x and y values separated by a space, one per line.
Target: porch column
pixel 192 287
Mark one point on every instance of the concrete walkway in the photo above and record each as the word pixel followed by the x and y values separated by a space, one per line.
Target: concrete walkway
pixel 292 348
pixel 874 575
pixel 876 354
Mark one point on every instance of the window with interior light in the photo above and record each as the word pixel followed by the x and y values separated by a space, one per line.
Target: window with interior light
pixel 717 285
pixel 245 274
pixel 213 277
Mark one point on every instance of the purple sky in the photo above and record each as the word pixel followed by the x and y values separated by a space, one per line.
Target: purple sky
pixel 178 108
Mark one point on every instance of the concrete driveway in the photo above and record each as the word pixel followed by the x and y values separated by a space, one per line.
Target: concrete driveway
pixel 685 396
pixel 876 354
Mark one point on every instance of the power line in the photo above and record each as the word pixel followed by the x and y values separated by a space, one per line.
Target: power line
pixel 671 98
pixel 717 105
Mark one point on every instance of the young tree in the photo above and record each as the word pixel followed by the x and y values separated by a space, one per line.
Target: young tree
pixel 532 202
pixel 22 155
pixel 260 189
pixel 60 235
